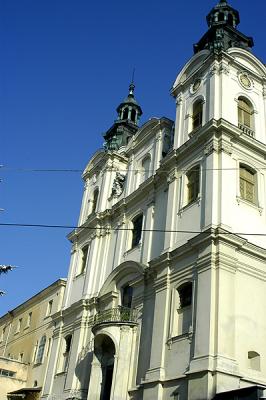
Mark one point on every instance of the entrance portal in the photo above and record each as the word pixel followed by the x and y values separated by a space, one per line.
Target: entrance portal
pixel 105 351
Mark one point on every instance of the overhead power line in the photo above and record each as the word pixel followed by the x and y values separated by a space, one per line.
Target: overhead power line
pixel 36 170
pixel 46 226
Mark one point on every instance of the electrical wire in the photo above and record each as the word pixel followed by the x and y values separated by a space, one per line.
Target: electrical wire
pixel 45 226
pixel 4 169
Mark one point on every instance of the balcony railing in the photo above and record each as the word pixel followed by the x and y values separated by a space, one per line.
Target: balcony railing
pixel 116 315
pixel 247 130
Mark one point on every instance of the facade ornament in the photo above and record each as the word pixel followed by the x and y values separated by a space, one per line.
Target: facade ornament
pixel 225 148
pixel 118 184
pixel 158 136
pixel 172 176
pixel 264 91
pixel 179 100
pixel 214 70
pixel 94 179
pixel 210 148
pixel 224 69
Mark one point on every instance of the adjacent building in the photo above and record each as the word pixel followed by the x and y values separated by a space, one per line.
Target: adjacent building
pixel 25 343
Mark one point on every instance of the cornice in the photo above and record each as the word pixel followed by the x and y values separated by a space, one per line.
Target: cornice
pixel 103 159
pixel 36 299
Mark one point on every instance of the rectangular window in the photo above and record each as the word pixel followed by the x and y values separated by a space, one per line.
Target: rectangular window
pixel 247 184
pixel 83 259
pixel 29 320
pixel 2 335
pixel 193 180
pixel 49 308
pixel 5 372
pixel 19 325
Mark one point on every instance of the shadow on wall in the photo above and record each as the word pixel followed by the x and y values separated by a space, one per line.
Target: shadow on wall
pixel 83 369
pixel 146 336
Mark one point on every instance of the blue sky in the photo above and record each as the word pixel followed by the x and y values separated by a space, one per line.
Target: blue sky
pixel 65 65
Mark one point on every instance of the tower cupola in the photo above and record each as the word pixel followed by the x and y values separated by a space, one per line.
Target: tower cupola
pixel 223 34
pixel 129 109
pixel 223 14
pixel 126 125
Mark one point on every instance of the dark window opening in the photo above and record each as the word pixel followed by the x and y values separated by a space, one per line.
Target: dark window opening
pixel 193 182
pixel 231 20
pixel 127 296
pixel 84 259
pixel 125 113
pixel 68 340
pixel 95 200
pixel 197 114
pixel 133 115
pixel 137 230
pixel 185 295
pixel 221 17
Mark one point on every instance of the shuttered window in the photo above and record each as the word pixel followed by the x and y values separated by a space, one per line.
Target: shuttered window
pixel 247 184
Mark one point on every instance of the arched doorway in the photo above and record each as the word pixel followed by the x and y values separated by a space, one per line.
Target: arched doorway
pixel 104 350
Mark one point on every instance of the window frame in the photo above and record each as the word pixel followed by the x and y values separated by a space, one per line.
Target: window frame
pixel 95 200
pixel 245 113
pixel 182 291
pixel 193 185
pixel 197 114
pixel 83 260
pixel 41 350
pixel 245 182
pixel 137 233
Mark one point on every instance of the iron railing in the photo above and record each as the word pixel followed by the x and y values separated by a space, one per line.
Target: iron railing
pixel 116 315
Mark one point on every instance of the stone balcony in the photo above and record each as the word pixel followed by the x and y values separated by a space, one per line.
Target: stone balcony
pixel 117 315
pixel 247 130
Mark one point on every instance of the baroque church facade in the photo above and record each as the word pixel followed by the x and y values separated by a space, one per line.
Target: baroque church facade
pixel 166 292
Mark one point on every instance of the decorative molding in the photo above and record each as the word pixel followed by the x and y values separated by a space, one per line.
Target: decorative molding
pixel 179 100
pixel 118 185
pixel 224 69
pixel 211 148
pixel 158 136
pixel 214 70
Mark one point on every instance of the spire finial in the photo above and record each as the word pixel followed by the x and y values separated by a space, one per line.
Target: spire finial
pixel 132 85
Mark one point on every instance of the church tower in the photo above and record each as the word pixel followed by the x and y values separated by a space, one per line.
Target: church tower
pixel 166 292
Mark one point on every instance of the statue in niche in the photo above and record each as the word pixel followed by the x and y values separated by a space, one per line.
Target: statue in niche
pixel 118 184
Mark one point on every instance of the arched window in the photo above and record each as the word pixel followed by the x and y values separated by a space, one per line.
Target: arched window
pixel 245 113
pixel 247 184
pixel 230 19
pixel 221 17
pixel 193 183
pixel 137 230
pixel 125 113
pixel 184 308
pixel 133 115
pixel 95 200
pixel 146 165
pixel 84 257
pixel 40 352
pixel 127 295
pixel 185 295
pixel 197 114
pixel 254 360
pixel 68 341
